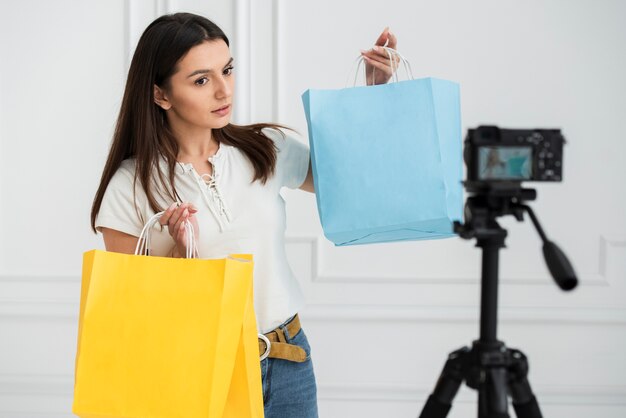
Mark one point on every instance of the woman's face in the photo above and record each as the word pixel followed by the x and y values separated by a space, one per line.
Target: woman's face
pixel 200 93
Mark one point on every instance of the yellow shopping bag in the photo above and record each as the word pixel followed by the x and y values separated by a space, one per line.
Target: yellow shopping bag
pixel 164 337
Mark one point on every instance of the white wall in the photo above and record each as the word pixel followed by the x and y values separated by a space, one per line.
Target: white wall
pixel 381 318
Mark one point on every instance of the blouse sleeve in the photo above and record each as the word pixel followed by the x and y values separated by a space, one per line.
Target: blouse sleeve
pixel 119 209
pixel 292 162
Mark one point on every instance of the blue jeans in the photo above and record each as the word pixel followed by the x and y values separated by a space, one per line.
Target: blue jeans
pixel 289 389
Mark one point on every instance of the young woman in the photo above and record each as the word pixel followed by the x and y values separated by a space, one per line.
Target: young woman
pixel 174 149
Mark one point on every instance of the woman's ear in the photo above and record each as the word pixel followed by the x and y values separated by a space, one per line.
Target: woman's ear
pixel 160 98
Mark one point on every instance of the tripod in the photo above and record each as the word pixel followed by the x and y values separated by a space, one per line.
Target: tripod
pixel 491 368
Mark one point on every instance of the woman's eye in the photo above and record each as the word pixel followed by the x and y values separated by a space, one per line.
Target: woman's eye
pixel 229 70
pixel 202 81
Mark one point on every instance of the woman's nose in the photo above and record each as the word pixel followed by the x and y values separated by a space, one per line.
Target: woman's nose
pixel 223 89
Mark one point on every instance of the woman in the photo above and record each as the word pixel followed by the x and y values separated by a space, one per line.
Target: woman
pixel 174 149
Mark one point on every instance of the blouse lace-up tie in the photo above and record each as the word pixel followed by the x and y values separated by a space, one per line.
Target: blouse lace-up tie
pixel 212 193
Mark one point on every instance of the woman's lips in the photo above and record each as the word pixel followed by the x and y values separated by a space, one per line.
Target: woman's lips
pixel 223 111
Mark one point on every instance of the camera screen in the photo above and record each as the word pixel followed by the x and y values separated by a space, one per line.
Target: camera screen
pixel 505 163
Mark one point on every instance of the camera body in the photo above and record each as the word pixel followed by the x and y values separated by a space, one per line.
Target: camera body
pixel 493 154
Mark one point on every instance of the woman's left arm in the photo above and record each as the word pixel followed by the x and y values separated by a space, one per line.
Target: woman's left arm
pixel 307 186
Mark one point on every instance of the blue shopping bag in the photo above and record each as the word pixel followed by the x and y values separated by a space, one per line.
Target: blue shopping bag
pixel 386 160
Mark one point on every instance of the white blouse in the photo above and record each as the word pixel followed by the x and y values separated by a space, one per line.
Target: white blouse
pixel 235 216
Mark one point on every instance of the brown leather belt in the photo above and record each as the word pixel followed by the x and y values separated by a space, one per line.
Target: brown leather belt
pixel 278 346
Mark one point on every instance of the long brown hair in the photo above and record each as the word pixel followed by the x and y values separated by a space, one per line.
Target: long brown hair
pixel 142 131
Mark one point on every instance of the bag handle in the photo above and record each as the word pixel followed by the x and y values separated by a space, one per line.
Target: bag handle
pixel 390 53
pixel 143 244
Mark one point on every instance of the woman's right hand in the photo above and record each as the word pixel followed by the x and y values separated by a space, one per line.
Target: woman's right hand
pixel 174 218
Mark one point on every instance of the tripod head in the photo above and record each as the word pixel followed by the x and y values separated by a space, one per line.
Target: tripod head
pixel 490 200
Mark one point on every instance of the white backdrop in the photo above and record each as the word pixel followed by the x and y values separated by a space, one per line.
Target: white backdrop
pixel 380 318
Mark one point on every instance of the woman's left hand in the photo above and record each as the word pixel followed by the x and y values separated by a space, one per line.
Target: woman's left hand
pixel 377 64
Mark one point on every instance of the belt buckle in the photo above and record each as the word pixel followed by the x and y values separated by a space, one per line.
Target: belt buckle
pixel 268 345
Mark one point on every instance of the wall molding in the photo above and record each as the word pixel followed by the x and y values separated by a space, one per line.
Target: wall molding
pixel 607 243
pixel 530 315
pixel 277 16
pixel 63 302
pixel 552 395
pixel 244 62
pixel 347 391
pixel 590 279
pixel 38 279
pixel 137 15
pixel 34 414
pixel 67 308
pixel 36 384
pixel 59 298
pixel 48 309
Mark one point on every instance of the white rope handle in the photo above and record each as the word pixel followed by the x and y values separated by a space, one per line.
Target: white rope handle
pixel 390 53
pixel 143 244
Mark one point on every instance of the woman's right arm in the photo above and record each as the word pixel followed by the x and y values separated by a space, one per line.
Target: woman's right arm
pixel 119 242
pixel 174 217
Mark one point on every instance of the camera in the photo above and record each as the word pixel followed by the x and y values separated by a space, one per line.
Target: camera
pixel 494 154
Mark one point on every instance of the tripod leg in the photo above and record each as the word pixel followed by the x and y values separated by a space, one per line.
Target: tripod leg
pixel 450 379
pixel 524 401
